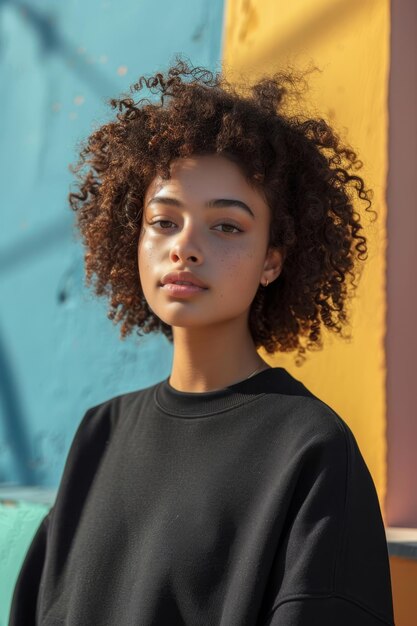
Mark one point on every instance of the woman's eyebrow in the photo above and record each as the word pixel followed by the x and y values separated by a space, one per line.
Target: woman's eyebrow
pixel 219 203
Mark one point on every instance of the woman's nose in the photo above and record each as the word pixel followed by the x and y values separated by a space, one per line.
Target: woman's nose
pixel 186 245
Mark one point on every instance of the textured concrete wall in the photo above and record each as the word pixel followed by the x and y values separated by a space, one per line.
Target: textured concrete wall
pixel 59 354
pixel 349 42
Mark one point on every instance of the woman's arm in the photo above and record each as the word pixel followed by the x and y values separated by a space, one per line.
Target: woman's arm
pixel 323 611
pixel 332 565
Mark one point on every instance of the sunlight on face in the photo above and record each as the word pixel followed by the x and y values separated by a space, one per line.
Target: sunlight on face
pixel 224 244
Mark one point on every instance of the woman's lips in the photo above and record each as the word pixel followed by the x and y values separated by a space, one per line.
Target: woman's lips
pixel 182 290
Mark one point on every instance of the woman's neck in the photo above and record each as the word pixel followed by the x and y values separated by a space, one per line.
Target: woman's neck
pixel 211 358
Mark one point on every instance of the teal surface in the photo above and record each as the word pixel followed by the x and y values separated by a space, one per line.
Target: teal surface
pixel 19 520
pixel 59 354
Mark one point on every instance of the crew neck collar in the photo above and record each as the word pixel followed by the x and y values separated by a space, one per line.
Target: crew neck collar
pixel 190 404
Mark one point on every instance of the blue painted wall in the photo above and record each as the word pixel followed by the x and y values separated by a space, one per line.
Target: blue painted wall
pixel 59 354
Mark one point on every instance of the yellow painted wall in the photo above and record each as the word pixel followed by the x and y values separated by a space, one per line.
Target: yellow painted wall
pixel 349 41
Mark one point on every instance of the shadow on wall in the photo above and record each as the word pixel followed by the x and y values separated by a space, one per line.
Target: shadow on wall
pixel 14 420
pixel 52 42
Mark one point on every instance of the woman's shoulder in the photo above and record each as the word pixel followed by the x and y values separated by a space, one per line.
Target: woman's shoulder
pixel 299 409
pixel 101 419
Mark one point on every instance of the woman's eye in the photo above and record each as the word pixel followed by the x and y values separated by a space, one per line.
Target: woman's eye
pixel 162 222
pixel 229 226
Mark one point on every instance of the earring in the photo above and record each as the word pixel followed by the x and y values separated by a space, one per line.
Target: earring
pixel 267 283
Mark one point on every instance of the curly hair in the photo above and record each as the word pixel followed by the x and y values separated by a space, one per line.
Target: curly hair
pixel 297 162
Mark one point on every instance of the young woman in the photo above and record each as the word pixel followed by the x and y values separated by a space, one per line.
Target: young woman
pixel 227 494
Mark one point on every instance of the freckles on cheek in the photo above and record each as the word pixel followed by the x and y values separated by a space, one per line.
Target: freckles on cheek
pixel 146 250
pixel 145 259
pixel 237 264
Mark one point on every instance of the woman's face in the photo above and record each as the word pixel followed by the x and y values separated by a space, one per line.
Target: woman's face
pixel 186 226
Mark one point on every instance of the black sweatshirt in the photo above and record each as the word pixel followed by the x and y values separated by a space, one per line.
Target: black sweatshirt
pixel 247 506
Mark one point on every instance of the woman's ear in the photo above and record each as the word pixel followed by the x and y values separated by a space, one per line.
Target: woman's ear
pixel 273 264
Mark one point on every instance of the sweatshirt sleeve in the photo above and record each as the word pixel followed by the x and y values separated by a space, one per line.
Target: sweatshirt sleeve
pixel 326 611
pixel 26 590
pixel 27 595
pixel 332 564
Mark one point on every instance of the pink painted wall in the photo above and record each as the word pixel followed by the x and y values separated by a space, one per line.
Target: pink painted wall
pixel 401 338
